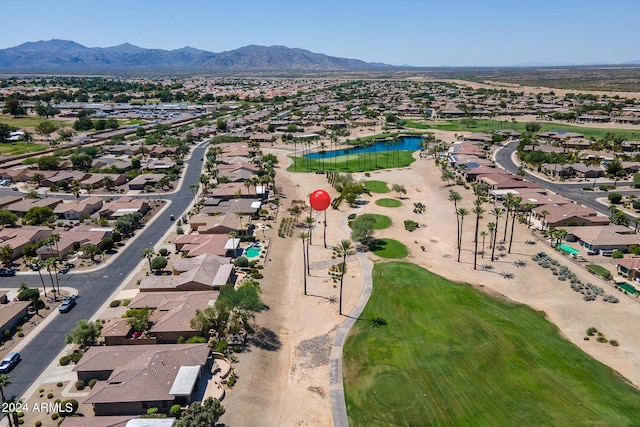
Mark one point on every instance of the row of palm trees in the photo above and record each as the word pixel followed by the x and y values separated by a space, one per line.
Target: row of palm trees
pixel 512 206
pixel 11 403
pixel 341 251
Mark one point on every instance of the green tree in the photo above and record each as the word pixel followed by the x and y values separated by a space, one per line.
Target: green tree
pixel 362 230
pixel 398 188
pixel 83 124
pixel 8 218
pixel 48 163
pixel 39 215
pixel 91 250
pixel 46 128
pixel 158 263
pixel 12 106
pixel 81 162
pixel 615 198
pixel 85 333
pixel 619 218
pixel 106 244
pixel 5 132
pixel 206 414
pixel 6 255
pixel 221 125
pixel 128 223
pixel 533 127
pixel 343 250
pixel 138 318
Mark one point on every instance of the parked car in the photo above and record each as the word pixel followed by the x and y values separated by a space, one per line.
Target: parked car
pixel 14 188
pixel 67 304
pixel 7 272
pixel 9 362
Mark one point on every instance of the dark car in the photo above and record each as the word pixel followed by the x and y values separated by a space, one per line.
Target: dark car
pixel 67 304
pixel 9 362
pixel 7 272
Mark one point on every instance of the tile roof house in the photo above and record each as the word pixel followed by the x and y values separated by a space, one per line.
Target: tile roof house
pixel 123 206
pixel 629 267
pixel 248 207
pixel 18 238
pixel 217 224
pixel 22 207
pixel 205 272
pixel 73 239
pixel 603 238
pixel 568 215
pixel 173 312
pixel 198 244
pixel 141 181
pixel 132 379
pixel 74 210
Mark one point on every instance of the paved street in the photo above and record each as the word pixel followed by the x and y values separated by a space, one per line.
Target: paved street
pixel 96 286
pixel 572 191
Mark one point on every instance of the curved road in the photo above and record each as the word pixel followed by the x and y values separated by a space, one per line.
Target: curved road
pixel 573 191
pixel 94 287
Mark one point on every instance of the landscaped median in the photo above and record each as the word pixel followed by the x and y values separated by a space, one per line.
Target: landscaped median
pixel 427 351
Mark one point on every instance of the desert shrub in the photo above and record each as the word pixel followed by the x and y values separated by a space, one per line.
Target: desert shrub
pixel 410 225
pixel 75 357
pixel 196 340
pixel 237 349
pixel 55 416
pixel 68 407
pixel 242 262
pixel 49 395
pixel 591 331
pixel 59 384
pixel 614 343
pixel 175 411
pixel 64 360
pixel 232 380
pixel 351 216
pixel 80 385
pixel 222 346
pixel 38 423
pixel 617 254
pixel 115 303
pixel 163 251
pixel 92 382
pixel 152 411
pixel 126 302
pixel 257 275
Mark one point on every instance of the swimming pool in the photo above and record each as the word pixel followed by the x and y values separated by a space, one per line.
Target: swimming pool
pixel 253 251
pixel 569 249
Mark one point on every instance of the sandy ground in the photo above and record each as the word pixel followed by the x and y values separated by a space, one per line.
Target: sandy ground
pixel 287 383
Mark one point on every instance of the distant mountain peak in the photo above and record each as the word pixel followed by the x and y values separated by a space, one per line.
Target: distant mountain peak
pixel 68 56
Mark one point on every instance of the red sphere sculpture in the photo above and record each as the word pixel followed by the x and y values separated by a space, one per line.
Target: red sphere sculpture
pixel 320 200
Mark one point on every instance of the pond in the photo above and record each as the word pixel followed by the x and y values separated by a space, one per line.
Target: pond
pixel 406 143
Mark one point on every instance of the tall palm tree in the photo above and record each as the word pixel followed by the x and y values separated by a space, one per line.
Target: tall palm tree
pixel 478 210
pixel 497 212
pixel 543 214
pixel 148 253
pixel 54 238
pixel 303 236
pixel 461 213
pixel 455 197
pixel 38 264
pixel 490 228
pixel 515 205
pixel 484 234
pixel 4 383
pixel 309 221
pixel 48 264
pixel 344 249
pixel 508 205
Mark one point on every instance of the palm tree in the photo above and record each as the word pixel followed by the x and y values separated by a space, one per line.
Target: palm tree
pixel 148 253
pixel 4 383
pixel 478 210
pixel 54 238
pixel 76 192
pixel 508 204
pixel 91 250
pixel 309 221
pixel 490 228
pixel 543 214
pixel 484 235
pixel 31 262
pixel 455 197
pixel 515 205
pixel 303 236
pixel 344 249
pixel 49 265
pixel 497 212
pixel 461 213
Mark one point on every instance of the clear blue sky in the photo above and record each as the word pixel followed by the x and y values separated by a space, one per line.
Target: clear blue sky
pixel 413 32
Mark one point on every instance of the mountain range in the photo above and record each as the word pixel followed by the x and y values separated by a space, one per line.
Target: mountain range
pixel 69 56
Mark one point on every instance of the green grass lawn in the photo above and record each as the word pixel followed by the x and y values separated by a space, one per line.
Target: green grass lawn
pixel 389 203
pixel 353 163
pixel 377 186
pixel 30 121
pixel 389 248
pixel 483 125
pixel 599 270
pixel 382 221
pixel 15 148
pixel 451 355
